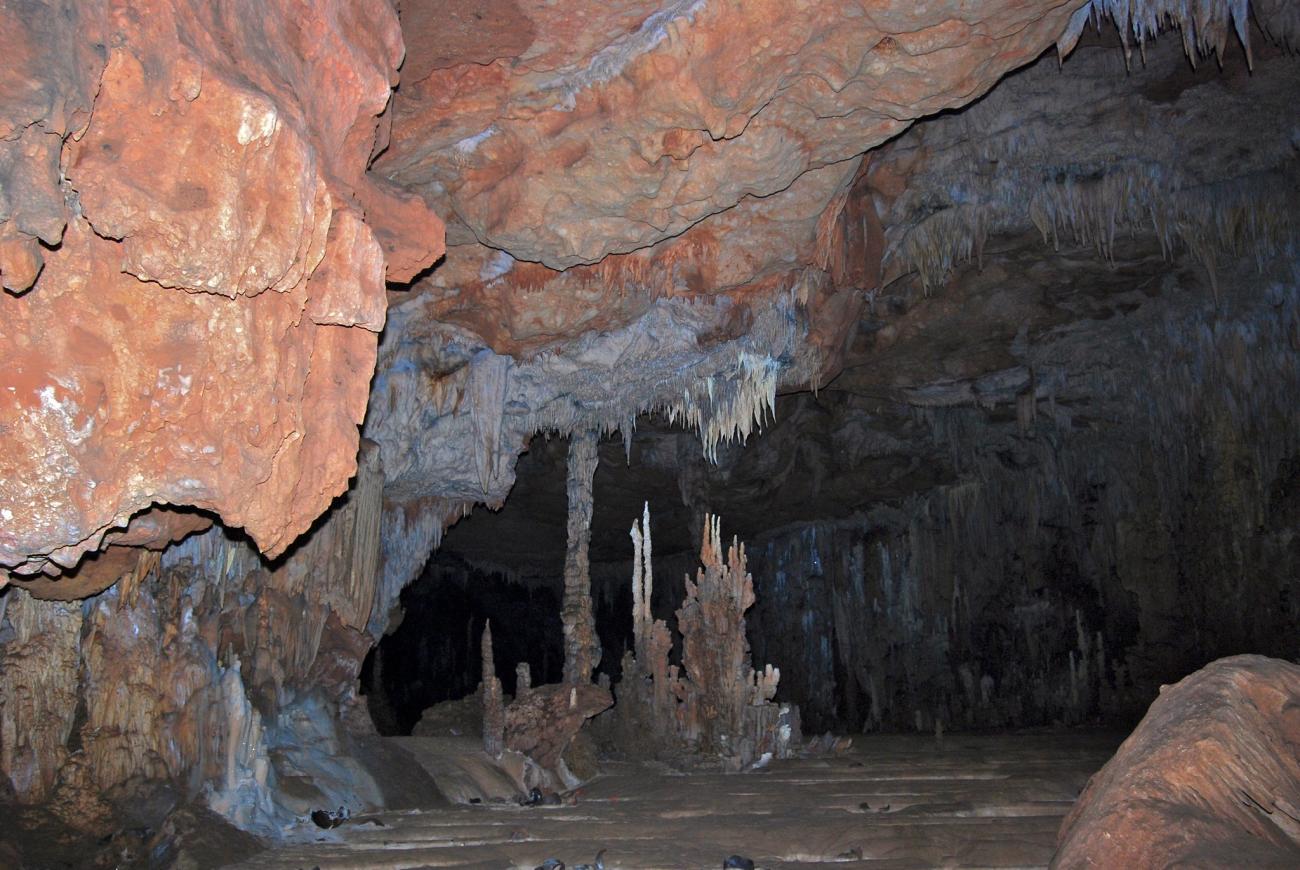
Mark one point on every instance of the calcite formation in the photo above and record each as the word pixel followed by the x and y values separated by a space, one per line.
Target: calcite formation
pixel 1210 777
pixel 38 692
pixel 719 689
pixel 670 209
pixel 539 723
pixel 581 646
pixel 201 255
pixel 494 713
pixel 714 703
pixel 542 722
pixel 198 667
pixel 1051 332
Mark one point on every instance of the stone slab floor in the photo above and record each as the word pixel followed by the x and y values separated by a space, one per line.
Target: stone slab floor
pixel 889 802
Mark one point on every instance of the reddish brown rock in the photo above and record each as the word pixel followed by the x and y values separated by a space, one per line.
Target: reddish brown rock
pixel 542 722
pixel 244 408
pixel 123 553
pixel 53 56
pixel 617 126
pixel 1210 778
pixel 205 332
pixel 812 240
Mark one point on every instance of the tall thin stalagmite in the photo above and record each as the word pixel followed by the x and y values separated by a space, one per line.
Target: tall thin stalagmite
pixel 581 649
pixel 494 714
pixel 642 584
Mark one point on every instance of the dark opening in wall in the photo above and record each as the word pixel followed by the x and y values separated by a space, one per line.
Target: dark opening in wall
pixel 434 654
pixel 508 565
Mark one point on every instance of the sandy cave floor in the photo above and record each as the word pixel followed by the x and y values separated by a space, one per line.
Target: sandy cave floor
pixel 968 801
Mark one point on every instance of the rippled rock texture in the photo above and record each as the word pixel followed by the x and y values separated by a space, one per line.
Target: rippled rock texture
pixel 1211 778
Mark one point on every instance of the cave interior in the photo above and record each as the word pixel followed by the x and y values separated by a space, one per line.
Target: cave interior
pixel 498 433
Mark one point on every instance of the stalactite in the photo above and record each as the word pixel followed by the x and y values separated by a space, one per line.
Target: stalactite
pixel 728 408
pixel 581 652
pixel 488 383
pixel 1250 216
pixel 1206 26
pixel 494 714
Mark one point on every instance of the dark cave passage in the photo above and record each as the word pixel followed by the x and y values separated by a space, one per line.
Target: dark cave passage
pixel 434 654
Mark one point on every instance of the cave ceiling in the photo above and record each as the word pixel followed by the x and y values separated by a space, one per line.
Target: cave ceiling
pixel 676 209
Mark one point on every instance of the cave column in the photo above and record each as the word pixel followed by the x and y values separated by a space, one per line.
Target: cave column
pixel 581 648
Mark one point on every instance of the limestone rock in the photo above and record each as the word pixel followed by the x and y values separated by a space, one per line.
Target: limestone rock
pixel 712 103
pixel 1211 777
pixel 203 333
pixel 541 722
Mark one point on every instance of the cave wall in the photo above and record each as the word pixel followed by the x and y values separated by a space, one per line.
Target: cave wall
pixel 1076 562
pixel 207 666
pixel 1057 467
pixel 433 653
pixel 194 254
pixel 1103 502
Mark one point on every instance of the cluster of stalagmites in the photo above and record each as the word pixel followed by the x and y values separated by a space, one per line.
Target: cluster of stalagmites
pixel 713 705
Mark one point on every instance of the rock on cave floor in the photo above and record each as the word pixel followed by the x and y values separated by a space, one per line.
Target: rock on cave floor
pixel 968 801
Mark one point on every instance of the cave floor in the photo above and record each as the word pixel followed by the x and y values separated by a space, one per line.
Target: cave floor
pixel 967 801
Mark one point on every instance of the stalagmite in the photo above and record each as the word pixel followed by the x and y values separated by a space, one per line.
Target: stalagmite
pixel 714 702
pixel 243 796
pixel 642 584
pixel 581 647
pixel 652 640
pixel 494 714
pixel 719 684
